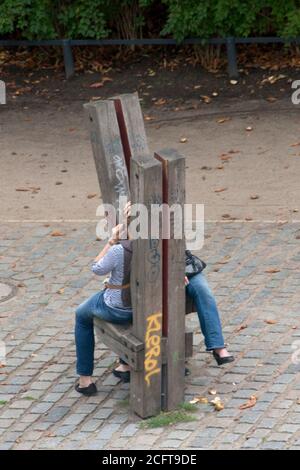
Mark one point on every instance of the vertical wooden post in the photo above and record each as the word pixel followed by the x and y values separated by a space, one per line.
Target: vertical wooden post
pixel 173 280
pixel 108 151
pixel 131 124
pixel 146 292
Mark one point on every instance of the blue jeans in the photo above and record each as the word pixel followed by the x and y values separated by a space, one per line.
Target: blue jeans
pixel 198 289
pixel 84 328
pixel 204 301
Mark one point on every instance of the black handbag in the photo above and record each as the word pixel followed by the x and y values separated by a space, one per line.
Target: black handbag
pixel 193 264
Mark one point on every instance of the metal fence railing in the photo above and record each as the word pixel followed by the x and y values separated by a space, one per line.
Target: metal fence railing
pixel 229 42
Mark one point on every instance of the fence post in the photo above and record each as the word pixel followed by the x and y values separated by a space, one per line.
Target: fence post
pixel 232 58
pixel 68 58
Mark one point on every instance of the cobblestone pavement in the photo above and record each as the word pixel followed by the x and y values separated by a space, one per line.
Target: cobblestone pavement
pixel 39 408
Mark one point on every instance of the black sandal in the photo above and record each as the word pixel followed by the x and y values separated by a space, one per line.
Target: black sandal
pixel 124 376
pixel 87 391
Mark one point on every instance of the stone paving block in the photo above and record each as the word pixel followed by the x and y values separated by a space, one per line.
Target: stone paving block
pixel 92 425
pixel 57 413
pixel 103 413
pixel 108 430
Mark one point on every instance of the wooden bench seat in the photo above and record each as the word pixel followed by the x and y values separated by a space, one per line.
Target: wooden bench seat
pixel 119 338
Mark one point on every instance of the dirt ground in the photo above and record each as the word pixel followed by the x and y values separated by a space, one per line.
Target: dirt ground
pixel 242 140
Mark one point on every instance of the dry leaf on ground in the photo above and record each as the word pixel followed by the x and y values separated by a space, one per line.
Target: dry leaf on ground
pixel 224 119
pixel 250 403
pixel 57 233
pixel 241 327
pixel 220 190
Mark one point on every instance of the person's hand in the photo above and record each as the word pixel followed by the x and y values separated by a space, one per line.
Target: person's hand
pixel 127 210
pixel 117 232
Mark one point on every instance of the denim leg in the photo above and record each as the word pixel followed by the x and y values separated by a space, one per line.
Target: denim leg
pixel 199 290
pixel 84 335
pixel 84 329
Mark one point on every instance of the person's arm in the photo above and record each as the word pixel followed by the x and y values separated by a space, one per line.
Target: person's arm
pixel 105 261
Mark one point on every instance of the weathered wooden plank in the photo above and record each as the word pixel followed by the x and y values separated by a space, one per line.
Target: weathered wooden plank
pixel 108 151
pixel 146 291
pixel 122 333
pixel 134 358
pixel 131 125
pixel 173 165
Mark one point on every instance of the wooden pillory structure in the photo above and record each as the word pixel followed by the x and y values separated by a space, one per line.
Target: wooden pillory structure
pixel 156 344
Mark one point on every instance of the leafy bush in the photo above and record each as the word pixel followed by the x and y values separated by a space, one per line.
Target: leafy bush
pixel 208 18
pixel 48 19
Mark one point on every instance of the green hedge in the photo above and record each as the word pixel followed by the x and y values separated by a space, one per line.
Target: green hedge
pixel 46 19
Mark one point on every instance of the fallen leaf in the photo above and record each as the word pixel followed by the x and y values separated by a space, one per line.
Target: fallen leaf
pixel 149 118
pixel 183 140
pixel 297 144
pixel 22 189
pixel 91 195
pixel 220 190
pixel 271 99
pixel 224 119
pixel 272 270
pixel 202 400
pixel 249 128
pixel 254 196
pixel 298 401
pixel 212 391
pixel 61 290
pixel 57 233
pixel 160 102
pixel 97 85
pixel 250 403
pixel 270 322
pixel 233 82
pixel 206 99
pixel 272 79
pixel 218 405
pixel 241 327
pixel 225 157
